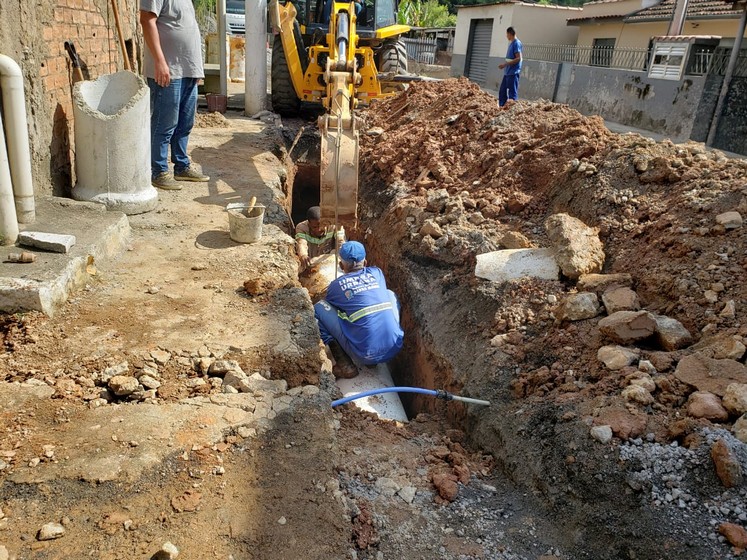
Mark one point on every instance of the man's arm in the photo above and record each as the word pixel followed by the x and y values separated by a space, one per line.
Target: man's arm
pixel 513 61
pixel 153 40
pixel 302 246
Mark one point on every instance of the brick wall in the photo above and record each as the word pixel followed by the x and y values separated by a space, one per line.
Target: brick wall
pixel 34 33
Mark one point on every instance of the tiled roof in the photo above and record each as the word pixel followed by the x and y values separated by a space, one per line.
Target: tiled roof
pixel 601 2
pixel 696 9
pixel 589 19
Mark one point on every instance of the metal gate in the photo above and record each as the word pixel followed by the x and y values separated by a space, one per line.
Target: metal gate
pixel 478 50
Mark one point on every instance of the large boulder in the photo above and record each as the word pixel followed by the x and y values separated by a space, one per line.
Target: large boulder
pixel 671 334
pixel 626 327
pixel 620 298
pixel 577 307
pixel 707 374
pixel 702 404
pixel 721 346
pixel 576 246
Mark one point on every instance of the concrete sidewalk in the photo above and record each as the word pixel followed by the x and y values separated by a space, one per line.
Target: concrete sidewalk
pixel 46 283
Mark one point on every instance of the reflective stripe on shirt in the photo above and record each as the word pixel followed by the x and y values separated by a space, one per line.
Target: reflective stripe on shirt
pixel 370 310
pixel 315 240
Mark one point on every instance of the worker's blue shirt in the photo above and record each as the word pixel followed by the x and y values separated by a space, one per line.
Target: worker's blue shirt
pixel 514 48
pixel 364 308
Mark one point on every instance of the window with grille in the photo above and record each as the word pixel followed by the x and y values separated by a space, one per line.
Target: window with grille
pixel 601 52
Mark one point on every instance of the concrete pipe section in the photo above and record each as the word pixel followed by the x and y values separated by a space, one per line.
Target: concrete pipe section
pixel 112 143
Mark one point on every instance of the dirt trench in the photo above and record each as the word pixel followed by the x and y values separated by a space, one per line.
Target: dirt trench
pixel 579 490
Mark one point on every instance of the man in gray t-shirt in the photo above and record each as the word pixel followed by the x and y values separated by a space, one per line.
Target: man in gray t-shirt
pixel 173 65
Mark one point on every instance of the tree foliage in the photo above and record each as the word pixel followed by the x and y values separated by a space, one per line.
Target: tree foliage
pixel 425 13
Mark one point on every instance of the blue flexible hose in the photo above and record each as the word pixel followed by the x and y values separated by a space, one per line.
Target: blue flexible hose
pixel 372 392
pixel 439 394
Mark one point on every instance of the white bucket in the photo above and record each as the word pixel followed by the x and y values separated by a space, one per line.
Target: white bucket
pixel 243 227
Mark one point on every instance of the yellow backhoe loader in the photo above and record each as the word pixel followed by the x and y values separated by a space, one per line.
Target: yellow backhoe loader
pixel 339 55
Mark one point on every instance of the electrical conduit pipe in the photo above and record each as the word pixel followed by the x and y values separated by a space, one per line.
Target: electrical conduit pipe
pixel 17 136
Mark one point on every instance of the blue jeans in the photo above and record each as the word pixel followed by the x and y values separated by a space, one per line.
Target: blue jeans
pixel 329 328
pixel 172 115
pixel 509 89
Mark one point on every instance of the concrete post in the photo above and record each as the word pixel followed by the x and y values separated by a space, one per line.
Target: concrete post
pixel 255 87
pixel 727 79
pixel 221 15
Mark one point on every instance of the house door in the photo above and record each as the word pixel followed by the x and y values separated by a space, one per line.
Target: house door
pixel 478 50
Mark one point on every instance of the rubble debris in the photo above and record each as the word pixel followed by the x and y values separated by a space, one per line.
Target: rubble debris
pixel 708 374
pixel 50 531
pixel 702 404
pixel 617 357
pixel 626 327
pixel 577 307
pixel 576 246
pixel 620 298
pixel 728 467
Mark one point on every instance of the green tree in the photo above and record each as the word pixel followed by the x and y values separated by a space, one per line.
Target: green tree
pixel 425 13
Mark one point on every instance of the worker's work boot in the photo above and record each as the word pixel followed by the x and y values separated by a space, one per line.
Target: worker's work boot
pixel 342 366
pixel 191 173
pixel 166 182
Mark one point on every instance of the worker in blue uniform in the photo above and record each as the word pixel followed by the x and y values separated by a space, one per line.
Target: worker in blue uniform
pixel 359 312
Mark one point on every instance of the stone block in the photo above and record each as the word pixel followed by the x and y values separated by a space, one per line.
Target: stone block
pixel 55 242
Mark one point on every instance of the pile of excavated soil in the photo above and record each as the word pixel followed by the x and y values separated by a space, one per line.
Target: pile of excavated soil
pixel 211 120
pixel 447 174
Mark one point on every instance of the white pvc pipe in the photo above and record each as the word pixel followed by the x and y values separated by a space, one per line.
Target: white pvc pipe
pixel 17 137
pixel 255 86
pixel 8 218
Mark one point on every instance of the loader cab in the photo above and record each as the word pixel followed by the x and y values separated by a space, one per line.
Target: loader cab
pixel 374 15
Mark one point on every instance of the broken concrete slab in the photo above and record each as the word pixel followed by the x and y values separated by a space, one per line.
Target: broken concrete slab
pixel 510 264
pixel 46 283
pixel 55 242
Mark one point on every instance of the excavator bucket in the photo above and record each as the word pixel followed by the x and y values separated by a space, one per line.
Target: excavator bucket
pixel 339 176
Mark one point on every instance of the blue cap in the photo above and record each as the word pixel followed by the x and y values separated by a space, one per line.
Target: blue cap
pixel 352 251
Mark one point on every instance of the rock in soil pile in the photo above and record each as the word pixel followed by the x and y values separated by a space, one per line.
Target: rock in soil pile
pixel 641 337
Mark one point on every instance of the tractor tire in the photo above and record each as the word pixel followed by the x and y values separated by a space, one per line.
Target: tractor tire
pixel 393 58
pixel 285 102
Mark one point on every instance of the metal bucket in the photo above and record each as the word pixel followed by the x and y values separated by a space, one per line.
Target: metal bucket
pixel 245 227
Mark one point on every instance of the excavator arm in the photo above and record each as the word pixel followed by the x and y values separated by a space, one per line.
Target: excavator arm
pixel 338 127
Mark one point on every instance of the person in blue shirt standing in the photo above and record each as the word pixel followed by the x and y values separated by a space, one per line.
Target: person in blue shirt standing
pixel 511 69
pixel 359 312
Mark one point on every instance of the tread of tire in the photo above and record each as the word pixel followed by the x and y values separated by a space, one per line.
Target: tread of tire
pixel 285 102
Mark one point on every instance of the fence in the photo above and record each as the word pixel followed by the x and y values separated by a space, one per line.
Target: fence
pixel 610 57
pixel 421 49
pixel 702 60
pixel 717 62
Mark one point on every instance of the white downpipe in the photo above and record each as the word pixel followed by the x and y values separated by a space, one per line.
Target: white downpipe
pixel 17 136
pixel 8 218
